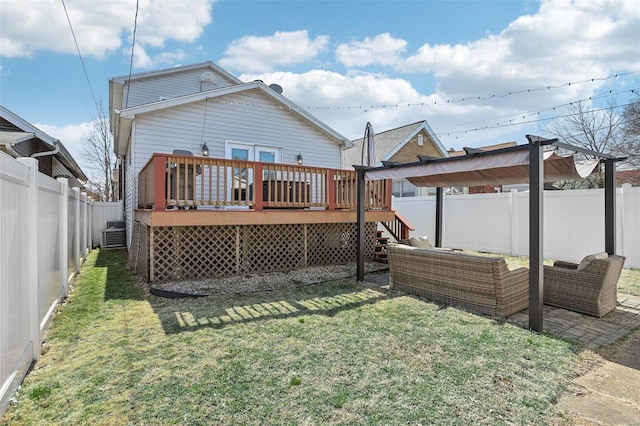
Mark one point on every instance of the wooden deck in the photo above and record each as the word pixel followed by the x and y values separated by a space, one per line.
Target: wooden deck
pixel 201 217
pixel 252 217
pixel 187 182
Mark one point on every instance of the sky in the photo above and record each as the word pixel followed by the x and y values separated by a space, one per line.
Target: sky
pixel 480 72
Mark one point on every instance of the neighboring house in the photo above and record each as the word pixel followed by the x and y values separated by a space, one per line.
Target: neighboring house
pixel 400 145
pixel 631 177
pixel 19 138
pixel 262 174
pixel 490 188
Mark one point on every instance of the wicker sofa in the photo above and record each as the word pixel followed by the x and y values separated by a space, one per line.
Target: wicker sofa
pixel 479 283
pixel 590 287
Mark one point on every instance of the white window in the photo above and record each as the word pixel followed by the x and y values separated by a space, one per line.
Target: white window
pixel 243 177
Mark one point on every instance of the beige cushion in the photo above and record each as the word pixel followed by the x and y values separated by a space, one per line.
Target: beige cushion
pixel 405 242
pixel 584 263
pixel 422 242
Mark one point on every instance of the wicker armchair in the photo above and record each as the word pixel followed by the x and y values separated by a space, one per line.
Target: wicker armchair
pixel 590 288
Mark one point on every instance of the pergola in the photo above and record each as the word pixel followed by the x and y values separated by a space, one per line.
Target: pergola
pixel 527 163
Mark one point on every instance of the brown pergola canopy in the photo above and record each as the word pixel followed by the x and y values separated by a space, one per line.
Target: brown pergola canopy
pixel 505 166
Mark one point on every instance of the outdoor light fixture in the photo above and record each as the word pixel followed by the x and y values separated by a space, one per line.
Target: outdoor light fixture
pixel 205 150
pixel 299 158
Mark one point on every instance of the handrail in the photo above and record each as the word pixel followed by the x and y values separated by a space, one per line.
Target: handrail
pixel 189 182
pixel 399 228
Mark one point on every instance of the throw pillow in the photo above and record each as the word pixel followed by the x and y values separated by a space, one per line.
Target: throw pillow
pixel 584 263
pixel 422 242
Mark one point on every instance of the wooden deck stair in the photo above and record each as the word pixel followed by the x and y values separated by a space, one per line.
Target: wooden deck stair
pixel 398 228
pixel 380 247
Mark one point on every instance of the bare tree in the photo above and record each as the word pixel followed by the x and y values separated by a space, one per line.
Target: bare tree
pixel 599 129
pixel 100 157
pixel 630 146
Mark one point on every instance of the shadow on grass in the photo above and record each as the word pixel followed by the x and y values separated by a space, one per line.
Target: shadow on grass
pixel 329 298
pixel 121 282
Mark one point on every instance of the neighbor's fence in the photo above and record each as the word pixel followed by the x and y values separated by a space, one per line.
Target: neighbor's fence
pixel 499 223
pixel 45 235
pixel 101 213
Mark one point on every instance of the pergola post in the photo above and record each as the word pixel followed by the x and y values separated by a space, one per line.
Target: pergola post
pixel 439 210
pixel 360 231
pixel 610 206
pixel 536 196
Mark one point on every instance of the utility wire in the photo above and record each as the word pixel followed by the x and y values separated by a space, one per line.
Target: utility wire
pixel 84 68
pixel 133 44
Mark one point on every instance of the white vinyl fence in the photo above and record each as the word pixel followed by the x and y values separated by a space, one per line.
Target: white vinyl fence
pixel 102 213
pixel 499 223
pixel 45 234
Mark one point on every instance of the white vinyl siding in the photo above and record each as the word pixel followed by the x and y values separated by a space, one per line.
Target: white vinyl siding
pixel 181 128
pixel 170 86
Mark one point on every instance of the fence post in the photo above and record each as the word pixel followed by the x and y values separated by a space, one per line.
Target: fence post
pixel 64 234
pixel 31 264
pixel 513 198
pixel 83 206
pixel 90 224
pixel 626 189
pixel 76 231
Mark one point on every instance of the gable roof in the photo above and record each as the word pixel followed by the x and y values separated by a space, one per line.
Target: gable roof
pixel 391 141
pixel 157 73
pixel 117 84
pixel 128 115
pixel 27 132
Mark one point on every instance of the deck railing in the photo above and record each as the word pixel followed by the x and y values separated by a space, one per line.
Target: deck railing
pixel 187 182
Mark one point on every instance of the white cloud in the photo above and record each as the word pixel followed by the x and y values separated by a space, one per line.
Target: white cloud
pixel 263 54
pixel 71 136
pixel 101 27
pixel 141 59
pixel 347 102
pixel 382 49
pixel 564 41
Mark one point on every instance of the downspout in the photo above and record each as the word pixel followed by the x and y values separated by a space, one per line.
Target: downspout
pixel 42 154
pixel 9 147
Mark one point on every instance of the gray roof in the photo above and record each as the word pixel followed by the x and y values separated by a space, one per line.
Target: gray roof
pixel 21 138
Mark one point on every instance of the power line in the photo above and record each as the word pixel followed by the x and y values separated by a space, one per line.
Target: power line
pixel 84 68
pixel 133 44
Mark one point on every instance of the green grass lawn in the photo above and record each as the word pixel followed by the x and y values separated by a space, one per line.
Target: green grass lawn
pixel 332 353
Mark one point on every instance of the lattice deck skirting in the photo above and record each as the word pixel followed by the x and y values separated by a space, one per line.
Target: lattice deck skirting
pixel 200 252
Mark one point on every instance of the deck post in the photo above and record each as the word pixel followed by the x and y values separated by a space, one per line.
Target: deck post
pixel 610 206
pixel 258 187
pixel 331 189
pixel 439 211
pixel 360 232
pixel 536 196
pixel 159 181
